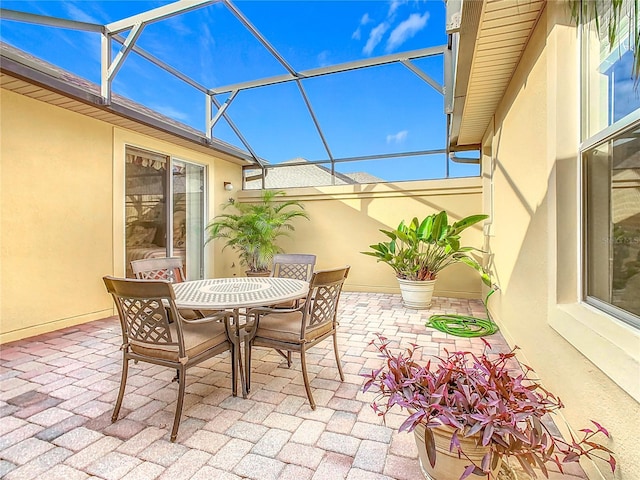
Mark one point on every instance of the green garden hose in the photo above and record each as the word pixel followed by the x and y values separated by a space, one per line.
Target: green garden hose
pixel 464 325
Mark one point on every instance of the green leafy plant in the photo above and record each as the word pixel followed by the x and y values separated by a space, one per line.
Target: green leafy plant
pixel 420 249
pixel 490 397
pixel 253 229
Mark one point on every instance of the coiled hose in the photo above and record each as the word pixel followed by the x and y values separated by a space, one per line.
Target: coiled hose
pixel 464 325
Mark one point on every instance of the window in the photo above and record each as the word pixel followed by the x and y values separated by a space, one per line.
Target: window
pixel 612 224
pixel 611 173
pixel 156 227
pixel 608 93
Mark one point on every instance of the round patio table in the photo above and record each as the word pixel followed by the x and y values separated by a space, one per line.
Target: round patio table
pixel 235 293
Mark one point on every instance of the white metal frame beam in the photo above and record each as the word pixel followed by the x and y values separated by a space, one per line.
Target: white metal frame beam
pixel 136 23
pixel 50 21
pixel 157 14
pixel 338 68
pixel 127 45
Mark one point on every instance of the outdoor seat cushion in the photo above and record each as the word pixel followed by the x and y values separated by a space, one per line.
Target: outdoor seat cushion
pixel 197 339
pixel 285 327
pixel 189 314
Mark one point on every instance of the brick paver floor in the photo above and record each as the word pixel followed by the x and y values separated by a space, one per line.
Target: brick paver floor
pixel 57 393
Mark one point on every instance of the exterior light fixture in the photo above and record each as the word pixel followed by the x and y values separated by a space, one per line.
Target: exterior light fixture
pixel 228 186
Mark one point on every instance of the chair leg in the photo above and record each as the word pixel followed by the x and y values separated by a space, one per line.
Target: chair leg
pixel 286 356
pixel 123 384
pixel 181 387
pixel 247 365
pixel 307 387
pixel 234 372
pixel 335 350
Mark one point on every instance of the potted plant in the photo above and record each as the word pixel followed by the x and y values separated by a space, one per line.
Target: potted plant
pixel 470 412
pixel 253 229
pixel 419 250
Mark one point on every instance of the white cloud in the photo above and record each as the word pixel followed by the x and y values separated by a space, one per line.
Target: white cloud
pixel 363 21
pixel 180 25
pixel 375 37
pixel 323 58
pixel 397 137
pixel 406 30
pixel 171 112
pixel 395 4
pixel 207 46
pixel 79 15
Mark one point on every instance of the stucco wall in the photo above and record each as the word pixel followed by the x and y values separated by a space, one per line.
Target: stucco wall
pixel 62 223
pixel 534 236
pixel 62 213
pixel 56 216
pixel 345 220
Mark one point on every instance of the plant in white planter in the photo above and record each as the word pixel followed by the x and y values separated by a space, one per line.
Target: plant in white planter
pixel 419 250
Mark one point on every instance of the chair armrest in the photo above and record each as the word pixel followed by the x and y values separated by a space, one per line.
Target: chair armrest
pixel 265 310
pixel 222 315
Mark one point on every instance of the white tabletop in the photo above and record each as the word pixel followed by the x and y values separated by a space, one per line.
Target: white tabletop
pixel 237 292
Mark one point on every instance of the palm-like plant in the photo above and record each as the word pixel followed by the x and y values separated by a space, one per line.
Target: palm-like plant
pixel 253 229
pixel 421 249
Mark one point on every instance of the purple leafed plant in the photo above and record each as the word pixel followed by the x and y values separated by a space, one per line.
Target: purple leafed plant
pixel 491 397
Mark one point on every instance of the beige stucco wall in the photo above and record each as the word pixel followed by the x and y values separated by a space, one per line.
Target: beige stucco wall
pixel 62 218
pixel 345 220
pixel 56 217
pixel 588 359
pixel 62 213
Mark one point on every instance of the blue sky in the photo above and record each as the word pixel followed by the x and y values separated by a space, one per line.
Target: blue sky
pixel 365 112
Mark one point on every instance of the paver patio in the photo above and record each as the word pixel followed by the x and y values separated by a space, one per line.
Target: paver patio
pixel 58 390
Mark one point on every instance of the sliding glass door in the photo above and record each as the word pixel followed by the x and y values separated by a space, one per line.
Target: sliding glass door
pixel 155 226
pixel 188 216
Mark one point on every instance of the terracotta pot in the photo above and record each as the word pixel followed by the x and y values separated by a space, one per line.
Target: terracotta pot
pixel 448 466
pixel 416 294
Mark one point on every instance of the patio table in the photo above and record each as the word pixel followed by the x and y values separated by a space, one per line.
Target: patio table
pixel 236 293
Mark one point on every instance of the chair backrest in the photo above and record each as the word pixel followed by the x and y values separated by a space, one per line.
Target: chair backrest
pixel 144 307
pixel 169 268
pixel 322 301
pixel 293 265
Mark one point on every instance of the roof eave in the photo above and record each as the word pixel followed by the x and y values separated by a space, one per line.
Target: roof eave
pixel 38 74
pixel 487 27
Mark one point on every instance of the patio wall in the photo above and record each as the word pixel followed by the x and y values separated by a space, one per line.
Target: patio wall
pixel 62 225
pixel 589 359
pixel 345 220
pixel 62 213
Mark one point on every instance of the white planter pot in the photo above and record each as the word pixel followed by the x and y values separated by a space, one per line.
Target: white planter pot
pixel 416 294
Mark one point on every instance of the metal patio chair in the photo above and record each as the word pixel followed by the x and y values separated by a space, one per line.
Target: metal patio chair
pixel 298 329
pixel 169 268
pixel 293 265
pixel 144 308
